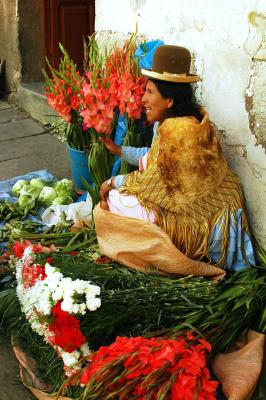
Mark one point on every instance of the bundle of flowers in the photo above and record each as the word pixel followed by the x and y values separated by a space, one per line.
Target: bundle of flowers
pixel 99 93
pixel 98 104
pixel 58 296
pixel 126 79
pixel 155 369
pixel 50 303
pixel 113 84
pixel 89 104
pixel 63 95
pixel 130 85
pixel 99 101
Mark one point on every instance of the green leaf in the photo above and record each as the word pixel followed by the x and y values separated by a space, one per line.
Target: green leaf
pixel 262 326
pixel 209 308
pixel 231 293
pixel 239 303
pixel 93 192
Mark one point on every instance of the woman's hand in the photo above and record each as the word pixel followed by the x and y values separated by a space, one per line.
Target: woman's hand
pixel 104 190
pixel 111 146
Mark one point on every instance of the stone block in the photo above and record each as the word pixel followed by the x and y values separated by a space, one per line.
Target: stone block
pixel 31 98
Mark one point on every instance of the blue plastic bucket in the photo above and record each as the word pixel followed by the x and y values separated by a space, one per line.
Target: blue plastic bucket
pixel 79 167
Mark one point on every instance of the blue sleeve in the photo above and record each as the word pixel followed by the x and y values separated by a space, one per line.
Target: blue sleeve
pixel 132 154
pixel 119 181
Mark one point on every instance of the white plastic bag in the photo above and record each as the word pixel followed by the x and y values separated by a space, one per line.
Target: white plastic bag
pixel 80 213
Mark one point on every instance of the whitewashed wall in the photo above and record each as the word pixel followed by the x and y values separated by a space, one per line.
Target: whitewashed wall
pixel 228 41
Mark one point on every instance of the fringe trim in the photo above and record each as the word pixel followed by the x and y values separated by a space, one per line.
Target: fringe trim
pixel 193 238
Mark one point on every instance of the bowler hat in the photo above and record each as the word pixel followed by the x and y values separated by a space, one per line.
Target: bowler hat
pixel 172 64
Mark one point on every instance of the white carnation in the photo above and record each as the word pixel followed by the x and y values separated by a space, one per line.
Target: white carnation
pixel 52 281
pixel 93 303
pixel 49 270
pixel 67 304
pixel 70 359
pixel 58 293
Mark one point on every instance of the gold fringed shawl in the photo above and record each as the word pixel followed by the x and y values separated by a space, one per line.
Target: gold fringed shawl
pixel 188 185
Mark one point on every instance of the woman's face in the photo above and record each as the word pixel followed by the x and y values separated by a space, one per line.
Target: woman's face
pixel 154 104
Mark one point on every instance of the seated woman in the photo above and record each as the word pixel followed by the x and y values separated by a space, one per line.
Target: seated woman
pixel 184 184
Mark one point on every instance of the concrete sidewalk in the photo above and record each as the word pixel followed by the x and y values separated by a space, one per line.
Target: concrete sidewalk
pixel 10 386
pixel 24 147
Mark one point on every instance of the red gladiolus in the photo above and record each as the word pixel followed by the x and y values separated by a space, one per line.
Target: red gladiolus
pixel 148 367
pixel 130 93
pixel 63 96
pixel 63 89
pixel 98 104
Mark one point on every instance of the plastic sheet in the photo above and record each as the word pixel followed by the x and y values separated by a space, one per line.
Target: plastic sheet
pixel 6 193
pixel 6 186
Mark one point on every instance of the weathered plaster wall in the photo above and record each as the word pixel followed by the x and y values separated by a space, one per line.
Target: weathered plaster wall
pixel 227 40
pixel 9 49
pixel 31 40
pixel 21 43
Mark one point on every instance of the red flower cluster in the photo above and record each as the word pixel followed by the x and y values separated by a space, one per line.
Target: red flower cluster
pixel 115 83
pixel 130 93
pixel 73 253
pixel 65 331
pixel 98 102
pixel 152 367
pixel 63 95
pixel 126 82
pixel 102 260
pixel 32 273
pixel 111 83
pixel 18 248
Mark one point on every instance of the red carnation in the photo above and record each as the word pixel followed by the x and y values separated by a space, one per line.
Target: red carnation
pixel 65 330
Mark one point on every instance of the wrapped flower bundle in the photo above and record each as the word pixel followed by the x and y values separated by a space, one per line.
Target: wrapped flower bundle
pixel 154 369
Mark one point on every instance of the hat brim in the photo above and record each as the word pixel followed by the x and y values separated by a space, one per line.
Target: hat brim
pixel 170 77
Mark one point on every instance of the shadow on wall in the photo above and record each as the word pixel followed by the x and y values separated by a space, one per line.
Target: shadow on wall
pixel 2 78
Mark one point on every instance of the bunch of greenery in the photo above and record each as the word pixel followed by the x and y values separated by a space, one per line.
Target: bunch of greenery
pixel 145 304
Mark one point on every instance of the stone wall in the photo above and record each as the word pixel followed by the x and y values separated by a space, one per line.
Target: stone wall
pixel 31 40
pixel 227 41
pixel 21 43
pixel 9 48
